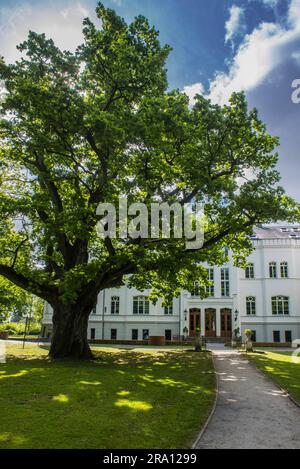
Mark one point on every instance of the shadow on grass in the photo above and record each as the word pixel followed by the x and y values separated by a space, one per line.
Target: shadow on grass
pixel 122 399
pixel 279 366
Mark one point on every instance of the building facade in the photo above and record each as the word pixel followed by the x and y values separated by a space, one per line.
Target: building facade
pixel 264 298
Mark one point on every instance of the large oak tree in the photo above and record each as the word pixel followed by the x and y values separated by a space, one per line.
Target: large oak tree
pixel 77 129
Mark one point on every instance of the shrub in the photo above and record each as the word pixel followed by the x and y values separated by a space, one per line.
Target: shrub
pixel 18 328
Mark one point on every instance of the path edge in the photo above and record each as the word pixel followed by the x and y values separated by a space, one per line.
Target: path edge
pixel 297 404
pixel 203 429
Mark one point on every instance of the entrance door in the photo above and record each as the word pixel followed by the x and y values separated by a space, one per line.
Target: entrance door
pixel 226 322
pixel 194 321
pixel 210 322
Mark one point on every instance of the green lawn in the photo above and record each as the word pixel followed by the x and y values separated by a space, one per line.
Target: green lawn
pixel 123 399
pixel 281 367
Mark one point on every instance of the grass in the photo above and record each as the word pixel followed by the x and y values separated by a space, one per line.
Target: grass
pixel 123 399
pixel 282 368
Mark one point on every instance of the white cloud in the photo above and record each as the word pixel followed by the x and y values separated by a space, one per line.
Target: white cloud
pixel 64 26
pixel 235 25
pixel 261 52
pixel 271 3
pixel 192 91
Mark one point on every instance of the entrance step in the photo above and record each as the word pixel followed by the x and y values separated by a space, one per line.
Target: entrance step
pixel 218 340
pixel 212 340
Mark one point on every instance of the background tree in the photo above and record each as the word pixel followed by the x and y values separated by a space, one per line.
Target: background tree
pixel 14 302
pixel 84 128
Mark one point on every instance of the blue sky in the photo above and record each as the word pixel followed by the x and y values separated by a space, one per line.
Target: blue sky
pixel 219 46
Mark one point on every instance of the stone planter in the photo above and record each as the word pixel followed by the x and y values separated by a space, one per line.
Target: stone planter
pixel 198 343
pixel 4 335
pixel 249 345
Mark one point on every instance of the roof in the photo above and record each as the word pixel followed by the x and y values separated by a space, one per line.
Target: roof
pixel 276 232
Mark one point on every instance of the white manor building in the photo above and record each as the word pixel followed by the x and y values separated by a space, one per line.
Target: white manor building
pixel 264 298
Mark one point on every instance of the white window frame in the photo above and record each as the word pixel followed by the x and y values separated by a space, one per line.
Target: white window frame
pixel 140 305
pixel 251 306
pixel 168 310
pixel 280 305
pixel 284 269
pixel 210 289
pixel 273 269
pixel 249 271
pixel 115 305
pixel 225 282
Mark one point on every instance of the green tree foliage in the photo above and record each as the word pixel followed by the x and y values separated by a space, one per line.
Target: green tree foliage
pixel 14 302
pixel 84 128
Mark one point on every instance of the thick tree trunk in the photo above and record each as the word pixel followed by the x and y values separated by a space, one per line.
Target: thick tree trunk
pixel 69 339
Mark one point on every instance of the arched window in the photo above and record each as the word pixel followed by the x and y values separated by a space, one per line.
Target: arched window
pixel 280 305
pixel 140 305
pixel 284 270
pixel 115 305
pixel 273 270
pixel 251 306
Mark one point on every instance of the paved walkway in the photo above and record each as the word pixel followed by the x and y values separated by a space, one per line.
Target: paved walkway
pixel 251 411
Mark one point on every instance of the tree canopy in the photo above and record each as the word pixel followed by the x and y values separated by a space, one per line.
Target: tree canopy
pixel 77 129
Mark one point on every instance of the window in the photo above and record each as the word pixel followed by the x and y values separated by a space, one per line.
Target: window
pixel 251 306
pixel 145 334
pixel 284 270
pixel 134 334
pixel 249 272
pixel 225 291
pixel 140 305
pixel 280 305
pixel 93 333
pixel 113 334
pixel 210 289
pixel 226 252
pixel 288 336
pixel 168 334
pixel 115 305
pixel 253 337
pixel 196 290
pixel 94 310
pixel 168 310
pixel 273 270
pixel 276 336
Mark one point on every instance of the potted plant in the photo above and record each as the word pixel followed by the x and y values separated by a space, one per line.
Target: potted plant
pixel 198 346
pixel 248 341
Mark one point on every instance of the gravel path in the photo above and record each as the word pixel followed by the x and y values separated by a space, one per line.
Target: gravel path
pixel 251 411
